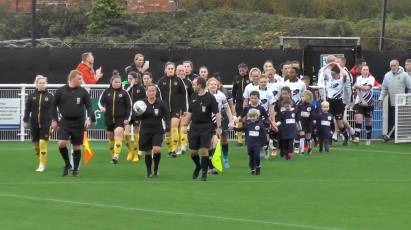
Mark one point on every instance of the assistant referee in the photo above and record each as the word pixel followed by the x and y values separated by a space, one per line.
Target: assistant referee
pixel 70 100
pixel 202 106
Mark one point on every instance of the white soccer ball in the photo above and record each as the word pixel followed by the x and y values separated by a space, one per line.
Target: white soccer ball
pixel 139 107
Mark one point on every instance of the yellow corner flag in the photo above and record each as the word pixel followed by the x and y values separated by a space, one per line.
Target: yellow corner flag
pixel 216 160
pixel 88 153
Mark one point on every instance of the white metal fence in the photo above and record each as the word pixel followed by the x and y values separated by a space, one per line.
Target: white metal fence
pixel 19 93
pixel 403 118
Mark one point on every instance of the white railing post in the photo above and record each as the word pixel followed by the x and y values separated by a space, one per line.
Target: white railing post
pixel 22 108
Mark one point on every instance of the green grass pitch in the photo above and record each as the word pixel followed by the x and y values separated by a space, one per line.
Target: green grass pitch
pixel 353 187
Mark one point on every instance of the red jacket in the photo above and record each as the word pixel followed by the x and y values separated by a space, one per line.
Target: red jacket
pixel 355 73
pixel 87 72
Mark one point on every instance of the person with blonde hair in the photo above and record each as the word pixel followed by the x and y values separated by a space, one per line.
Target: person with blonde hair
pixel 227 120
pixel 254 75
pixel 174 93
pixel 323 122
pixel 37 113
pixel 305 117
pixel 256 137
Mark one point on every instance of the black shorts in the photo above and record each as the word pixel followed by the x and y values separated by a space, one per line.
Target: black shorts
pixel 337 108
pixel 111 126
pixel 364 110
pixel 306 125
pixel 74 134
pixel 135 121
pixel 239 109
pixel 148 140
pixel 200 136
pixel 38 133
pixel 176 113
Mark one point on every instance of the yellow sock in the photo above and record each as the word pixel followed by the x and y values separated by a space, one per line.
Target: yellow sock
pixel 111 146
pixel 43 151
pixel 136 148
pixel 117 146
pixel 175 138
pixel 239 134
pixel 167 139
pixel 136 138
pixel 183 139
pixel 128 142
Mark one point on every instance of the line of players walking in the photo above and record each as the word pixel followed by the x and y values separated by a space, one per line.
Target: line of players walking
pixel 275 113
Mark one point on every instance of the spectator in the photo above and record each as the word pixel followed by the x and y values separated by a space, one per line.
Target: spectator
pixel 139 66
pixel 356 70
pixel 395 82
pixel 86 69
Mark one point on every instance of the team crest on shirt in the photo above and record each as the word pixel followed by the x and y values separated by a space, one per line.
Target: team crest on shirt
pixel 78 100
pixel 46 99
pixel 175 83
pixel 156 112
pixel 164 83
pixel 293 115
pixel 203 108
pixel 109 94
pixel 257 127
pixel 120 95
pixel 309 109
pixel 138 91
pixel 329 118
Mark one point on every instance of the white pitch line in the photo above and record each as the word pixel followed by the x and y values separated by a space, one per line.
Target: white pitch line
pixel 330 181
pixel 370 151
pixel 338 148
pixel 164 212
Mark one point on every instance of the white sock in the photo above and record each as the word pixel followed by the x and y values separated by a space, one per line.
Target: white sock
pixel 302 145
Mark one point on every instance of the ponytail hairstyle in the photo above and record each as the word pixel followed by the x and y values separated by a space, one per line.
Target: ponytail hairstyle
pixel 115 75
pixel 167 64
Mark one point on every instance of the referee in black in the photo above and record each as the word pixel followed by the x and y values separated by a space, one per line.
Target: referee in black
pixel 202 106
pixel 70 100
pixel 152 130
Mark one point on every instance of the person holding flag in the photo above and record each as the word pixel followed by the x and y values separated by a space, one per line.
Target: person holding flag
pixel 70 100
pixel 201 109
pixel 227 121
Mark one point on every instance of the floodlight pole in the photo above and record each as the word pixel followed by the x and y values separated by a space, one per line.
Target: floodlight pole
pixel 33 23
pixel 382 34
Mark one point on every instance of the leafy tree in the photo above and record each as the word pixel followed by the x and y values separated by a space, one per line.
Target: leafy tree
pixel 102 14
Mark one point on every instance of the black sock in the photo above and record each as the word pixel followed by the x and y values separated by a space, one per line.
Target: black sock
pixel 368 130
pixel 64 155
pixel 358 129
pixel 196 159
pixel 76 158
pixel 345 133
pixel 204 163
pixel 157 157
pixel 148 160
pixel 210 163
